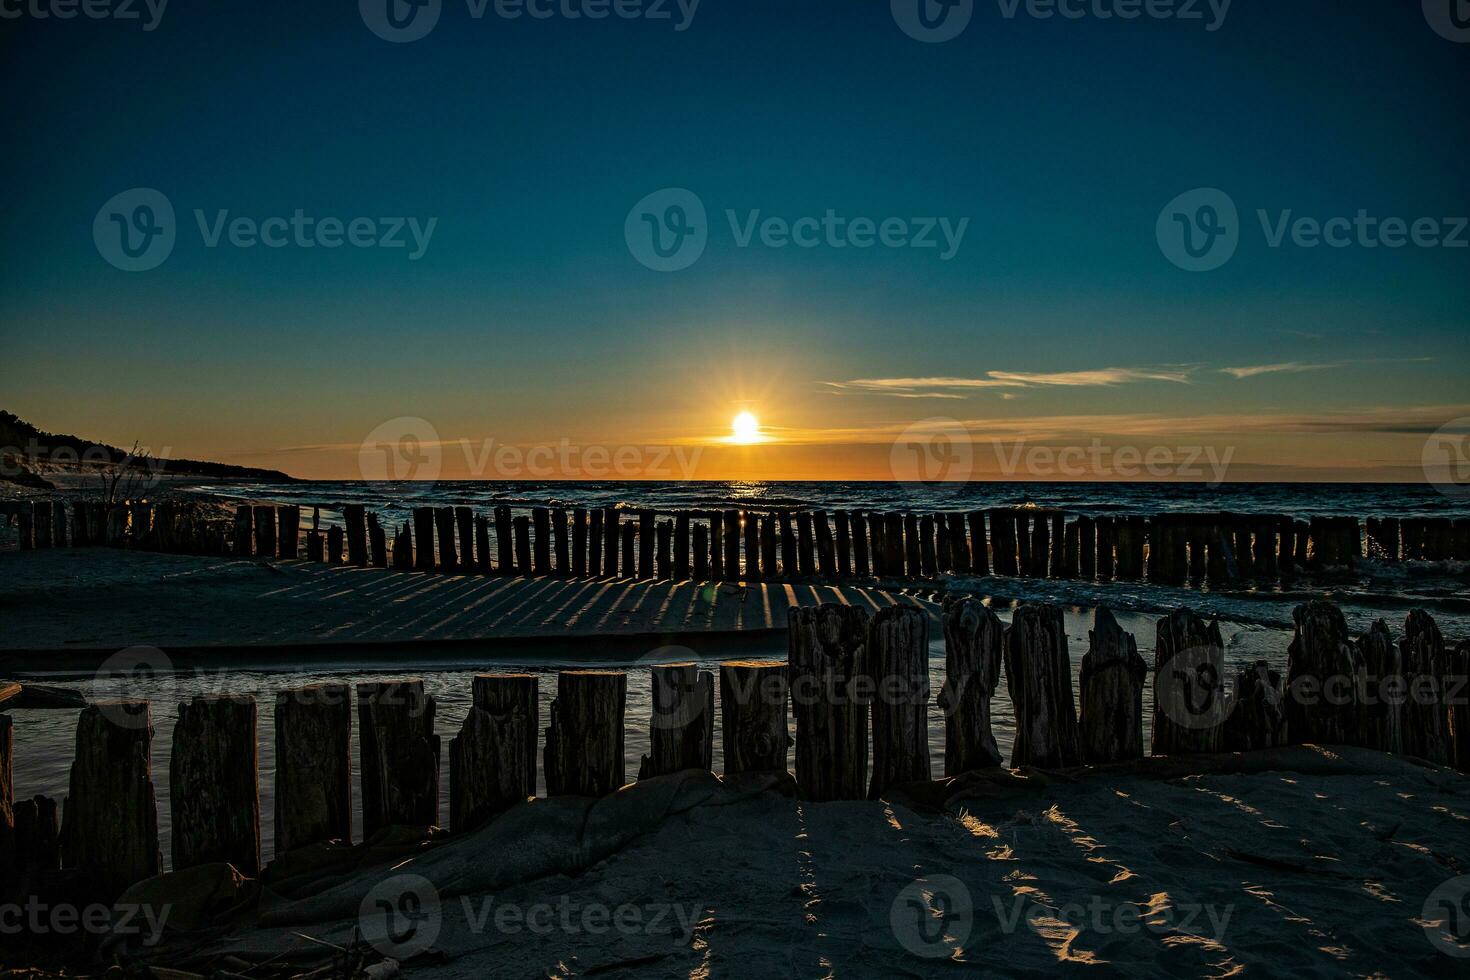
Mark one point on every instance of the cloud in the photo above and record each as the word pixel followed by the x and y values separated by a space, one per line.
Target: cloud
pixel 936 387
pixel 1286 367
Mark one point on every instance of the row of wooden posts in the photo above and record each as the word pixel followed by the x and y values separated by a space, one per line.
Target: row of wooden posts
pixel 856 683
pixel 744 545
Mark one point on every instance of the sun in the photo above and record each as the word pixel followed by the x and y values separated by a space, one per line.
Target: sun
pixel 745 430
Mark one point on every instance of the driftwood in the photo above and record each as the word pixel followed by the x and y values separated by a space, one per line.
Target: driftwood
pixel 1257 718
pixel 313 798
pixel 829 674
pixel 1111 689
pixel 1324 678
pixel 1426 720
pixel 399 755
pixel 1189 675
pixel 681 726
pixel 898 656
pixel 1039 676
pixel 753 716
pixel 584 743
pixel 1382 724
pixel 492 761
pixel 974 639
pixel 214 784
pixel 110 830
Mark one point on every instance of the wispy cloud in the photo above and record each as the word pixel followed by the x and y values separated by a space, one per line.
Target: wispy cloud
pixel 1285 367
pixel 944 387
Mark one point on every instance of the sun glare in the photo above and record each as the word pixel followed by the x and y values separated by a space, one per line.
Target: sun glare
pixel 745 429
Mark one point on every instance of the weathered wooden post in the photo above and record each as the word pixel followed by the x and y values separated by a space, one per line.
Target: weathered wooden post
pixel 482 545
pixel 244 530
pixel 911 548
pixel 664 560
pixel 594 543
pixel 844 543
pixel 399 755
pixel 681 730
pixel 612 537
pixel 492 761
pixel 214 784
pixel 979 547
pixel 1111 684
pixel 943 560
pixel 81 535
pixel 403 547
pixel 1003 541
pixel 288 518
pixel 732 545
pixel 1040 547
pixel 37 835
pixel 959 546
pixel 584 743
pixel 8 854
pixel 860 565
pixel 1058 542
pixel 444 533
pixel 60 539
pixel 826 555
pixel 701 553
pixel 334 546
pixel 541 540
pixel 110 830
pixel 423 533
pixel 504 541
pixel 1459 708
pixel 561 545
pixel 630 550
pixel 1385 689
pixel 1039 676
pixel 1426 722
pixel 313 800
pixel 579 542
pixel 1024 563
pixel 523 545
pixel 377 543
pixel 753 715
pixel 751 529
pixel 265 531
pixel 681 546
pixel 1106 541
pixel 1071 551
pixel 898 657
pixel 354 522
pixel 41 522
pixel 769 567
pixel 893 542
pixel 928 558
pixel 973 646
pixel 1257 718
pixel 1086 549
pixel 26 527
pixel 877 529
pixel 1324 676
pixel 831 685
pixel 646 543
pixel 1189 673
pixel 788 545
pixel 804 544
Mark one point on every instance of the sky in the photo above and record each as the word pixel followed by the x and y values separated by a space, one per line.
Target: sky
pixel 1004 245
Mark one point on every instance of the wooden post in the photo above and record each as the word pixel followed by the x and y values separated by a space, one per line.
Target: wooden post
pixel 912 550
pixel 701 552
pixel 399 755
pixel 826 555
pixel 959 546
pixel 1426 721
pixel 584 743
pixel 482 545
pixel 804 544
pixel 1189 672
pixel 214 784
pixel 898 650
pixel 830 689
pixel 1040 546
pixel 893 542
pixel 313 799
pixel 877 529
pixel 681 727
pixel 973 644
pixel 1462 539
pixel 80 532
pixel 1459 708
pixel 1257 713
pixel 1382 724
pixel 9 857
pixel 611 538
pixel 37 836
pixel 110 830
pixel 943 560
pixel 559 533
pixel 665 557
pixel 1024 562
pixel 646 543
pixel 1071 551
pixel 492 761
pixel 732 545
pixel 681 546
pixel 541 540
pixel 523 545
pixel 289 520
pixel 1106 539
pixel 751 529
pixel 1039 675
pixel 788 545
pixel 630 550
pixel 844 543
pixel 1325 679
pixel 1086 549
pixel 594 543
pixel 928 566
pixel 334 546
pixel 402 547
pixel 423 532
pixel 26 528
pixel 316 546
pixel 769 567
pixel 244 541
pixel 41 521
pixel 464 522
pixel 979 548
pixel 753 716
pixel 1058 542
pixel 354 520
pixel 860 565
pixel 1003 541
pixel 504 541
pixel 59 538
pixel 377 543
pixel 1111 682
pixel 579 542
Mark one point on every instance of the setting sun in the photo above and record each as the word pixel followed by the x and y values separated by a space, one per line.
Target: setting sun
pixel 745 429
